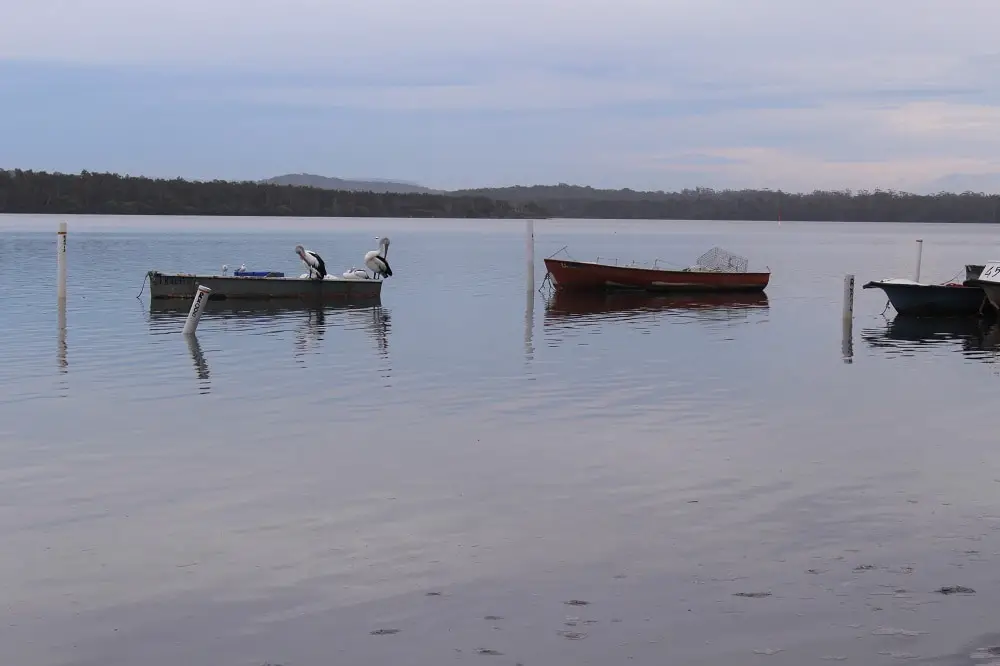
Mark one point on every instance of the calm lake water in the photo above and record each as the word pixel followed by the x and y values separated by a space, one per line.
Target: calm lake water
pixel 451 468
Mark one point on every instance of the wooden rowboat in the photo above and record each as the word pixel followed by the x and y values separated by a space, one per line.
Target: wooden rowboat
pixel 592 276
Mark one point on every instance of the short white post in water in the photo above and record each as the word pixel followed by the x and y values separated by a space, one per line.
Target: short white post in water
pixel 920 253
pixel 61 261
pixel 848 297
pixel 197 307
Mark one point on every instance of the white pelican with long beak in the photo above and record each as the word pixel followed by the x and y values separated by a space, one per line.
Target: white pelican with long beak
pixel 317 269
pixel 376 259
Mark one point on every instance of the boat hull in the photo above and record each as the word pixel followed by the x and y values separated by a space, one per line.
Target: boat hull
pixel 933 300
pixel 182 286
pixel 991 289
pixel 589 276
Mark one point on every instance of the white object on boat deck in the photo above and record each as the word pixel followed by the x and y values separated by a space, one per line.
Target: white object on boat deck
pixel 197 308
pixel 848 297
pixel 356 274
pixel 920 252
pixel 61 262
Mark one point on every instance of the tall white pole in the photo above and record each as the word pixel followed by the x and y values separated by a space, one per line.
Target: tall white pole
pixel 920 253
pixel 847 338
pixel 197 308
pixel 529 307
pixel 61 262
pixel 848 297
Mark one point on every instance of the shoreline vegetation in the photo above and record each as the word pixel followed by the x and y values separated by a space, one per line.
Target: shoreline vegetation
pixel 39 192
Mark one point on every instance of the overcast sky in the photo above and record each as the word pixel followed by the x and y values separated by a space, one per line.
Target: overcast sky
pixel 648 94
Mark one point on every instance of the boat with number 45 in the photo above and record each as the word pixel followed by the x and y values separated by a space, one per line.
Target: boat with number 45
pixel 989 282
pixel 715 271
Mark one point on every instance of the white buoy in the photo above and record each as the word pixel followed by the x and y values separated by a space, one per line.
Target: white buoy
pixel 61 261
pixel 920 252
pixel 197 308
pixel 848 297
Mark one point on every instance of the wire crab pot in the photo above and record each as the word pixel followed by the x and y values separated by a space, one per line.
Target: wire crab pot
pixel 721 260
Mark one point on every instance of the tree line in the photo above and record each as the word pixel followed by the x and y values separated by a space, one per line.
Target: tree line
pixel 112 194
pixel 708 204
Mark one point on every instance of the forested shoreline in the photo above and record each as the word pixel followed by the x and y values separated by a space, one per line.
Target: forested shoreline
pixel 707 204
pixel 38 192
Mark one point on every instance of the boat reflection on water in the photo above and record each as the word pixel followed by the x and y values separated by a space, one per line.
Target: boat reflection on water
pixel 907 335
pixel 567 308
pixel 309 324
pixel 166 310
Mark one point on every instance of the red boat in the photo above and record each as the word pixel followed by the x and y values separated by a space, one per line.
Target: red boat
pixel 592 276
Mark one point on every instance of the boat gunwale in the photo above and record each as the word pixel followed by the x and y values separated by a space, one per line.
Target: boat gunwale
pixel 271 278
pixel 882 284
pixel 680 271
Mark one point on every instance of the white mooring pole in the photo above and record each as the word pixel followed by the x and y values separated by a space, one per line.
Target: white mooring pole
pixel 529 306
pixel 61 262
pixel 920 253
pixel 197 308
pixel 848 297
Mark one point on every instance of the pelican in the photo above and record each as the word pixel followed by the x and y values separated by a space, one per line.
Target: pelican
pixel 317 269
pixel 376 259
pixel 356 274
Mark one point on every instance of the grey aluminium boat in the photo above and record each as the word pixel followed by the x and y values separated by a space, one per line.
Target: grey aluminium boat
pixel 331 290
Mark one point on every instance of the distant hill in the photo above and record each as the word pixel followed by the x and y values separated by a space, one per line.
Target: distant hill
pixel 965 182
pixel 562 191
pixel 372 185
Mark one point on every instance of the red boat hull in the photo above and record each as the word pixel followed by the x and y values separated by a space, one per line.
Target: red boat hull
pixel 589 276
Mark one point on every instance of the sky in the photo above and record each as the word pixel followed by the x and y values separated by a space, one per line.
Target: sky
pixel 647 94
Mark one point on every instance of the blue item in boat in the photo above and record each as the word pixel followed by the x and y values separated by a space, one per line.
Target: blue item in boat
pixel 258 274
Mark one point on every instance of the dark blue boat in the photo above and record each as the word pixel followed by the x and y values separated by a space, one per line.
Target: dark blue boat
pixel 921 299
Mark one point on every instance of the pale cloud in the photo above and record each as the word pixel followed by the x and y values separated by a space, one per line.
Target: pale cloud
pixel 948 121
pixel 641 93
pixel 528 92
